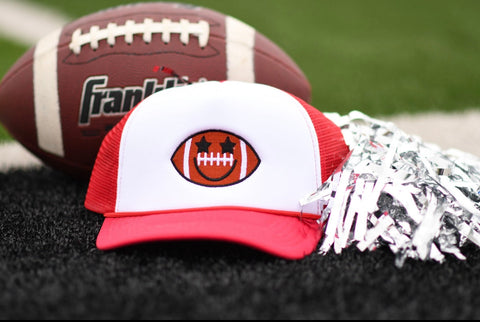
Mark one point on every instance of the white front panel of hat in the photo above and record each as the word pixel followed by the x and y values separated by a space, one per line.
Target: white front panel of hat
pixel 275 125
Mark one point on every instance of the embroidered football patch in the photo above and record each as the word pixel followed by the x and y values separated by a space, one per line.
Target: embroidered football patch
pixel 215 158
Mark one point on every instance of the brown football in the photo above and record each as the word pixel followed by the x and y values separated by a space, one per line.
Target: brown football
pixel 62 96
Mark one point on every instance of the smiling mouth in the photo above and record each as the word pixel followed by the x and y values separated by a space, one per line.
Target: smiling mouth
pixel 215 161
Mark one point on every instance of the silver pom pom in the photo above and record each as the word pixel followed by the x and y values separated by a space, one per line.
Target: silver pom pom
pixel 396 190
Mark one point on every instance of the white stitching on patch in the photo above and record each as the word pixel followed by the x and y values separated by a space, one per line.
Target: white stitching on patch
pixel 149 27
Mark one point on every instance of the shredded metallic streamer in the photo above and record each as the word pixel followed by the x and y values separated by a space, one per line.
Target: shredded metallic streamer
pixel 396 190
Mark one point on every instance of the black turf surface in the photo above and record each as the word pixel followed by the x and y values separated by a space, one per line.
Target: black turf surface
pixel 50 269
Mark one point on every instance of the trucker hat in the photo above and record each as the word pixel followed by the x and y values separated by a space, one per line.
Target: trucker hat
pixel 226 161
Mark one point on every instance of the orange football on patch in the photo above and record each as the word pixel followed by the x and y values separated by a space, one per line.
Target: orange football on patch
pixel 215 158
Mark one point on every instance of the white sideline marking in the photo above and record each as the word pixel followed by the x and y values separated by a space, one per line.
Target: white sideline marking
pixel 14 156
pixel 459 130
pixel 27 22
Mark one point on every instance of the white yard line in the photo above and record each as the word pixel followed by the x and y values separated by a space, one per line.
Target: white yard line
pixel 15 156
pixel 27 23
pixel 460 130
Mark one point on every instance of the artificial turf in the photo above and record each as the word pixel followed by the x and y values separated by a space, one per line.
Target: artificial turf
pixel 51 269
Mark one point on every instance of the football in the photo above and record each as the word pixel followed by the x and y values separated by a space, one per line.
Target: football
pixel 63 95
pixel 215 159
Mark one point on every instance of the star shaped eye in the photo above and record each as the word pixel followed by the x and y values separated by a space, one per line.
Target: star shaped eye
pixel 203 145
pixel 227 146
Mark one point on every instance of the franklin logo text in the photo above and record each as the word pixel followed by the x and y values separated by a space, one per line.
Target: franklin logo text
pixel 99 100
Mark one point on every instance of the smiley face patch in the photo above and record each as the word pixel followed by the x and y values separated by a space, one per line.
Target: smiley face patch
pixel 215 158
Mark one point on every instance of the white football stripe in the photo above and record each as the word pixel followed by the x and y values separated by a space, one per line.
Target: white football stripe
pixel 186 159
pixel 45 86
pixel 243 169
pixel 240 41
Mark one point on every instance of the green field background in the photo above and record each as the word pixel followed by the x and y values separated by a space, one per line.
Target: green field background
pixel 377 56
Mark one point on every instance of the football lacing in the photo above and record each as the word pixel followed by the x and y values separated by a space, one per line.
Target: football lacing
pixel 149 27
pixel 218 159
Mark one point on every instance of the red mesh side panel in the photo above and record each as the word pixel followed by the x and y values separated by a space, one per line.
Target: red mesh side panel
pixel 102 190
pixel 333 149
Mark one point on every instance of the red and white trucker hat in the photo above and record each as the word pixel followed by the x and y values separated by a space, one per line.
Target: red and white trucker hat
pixel 226 161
